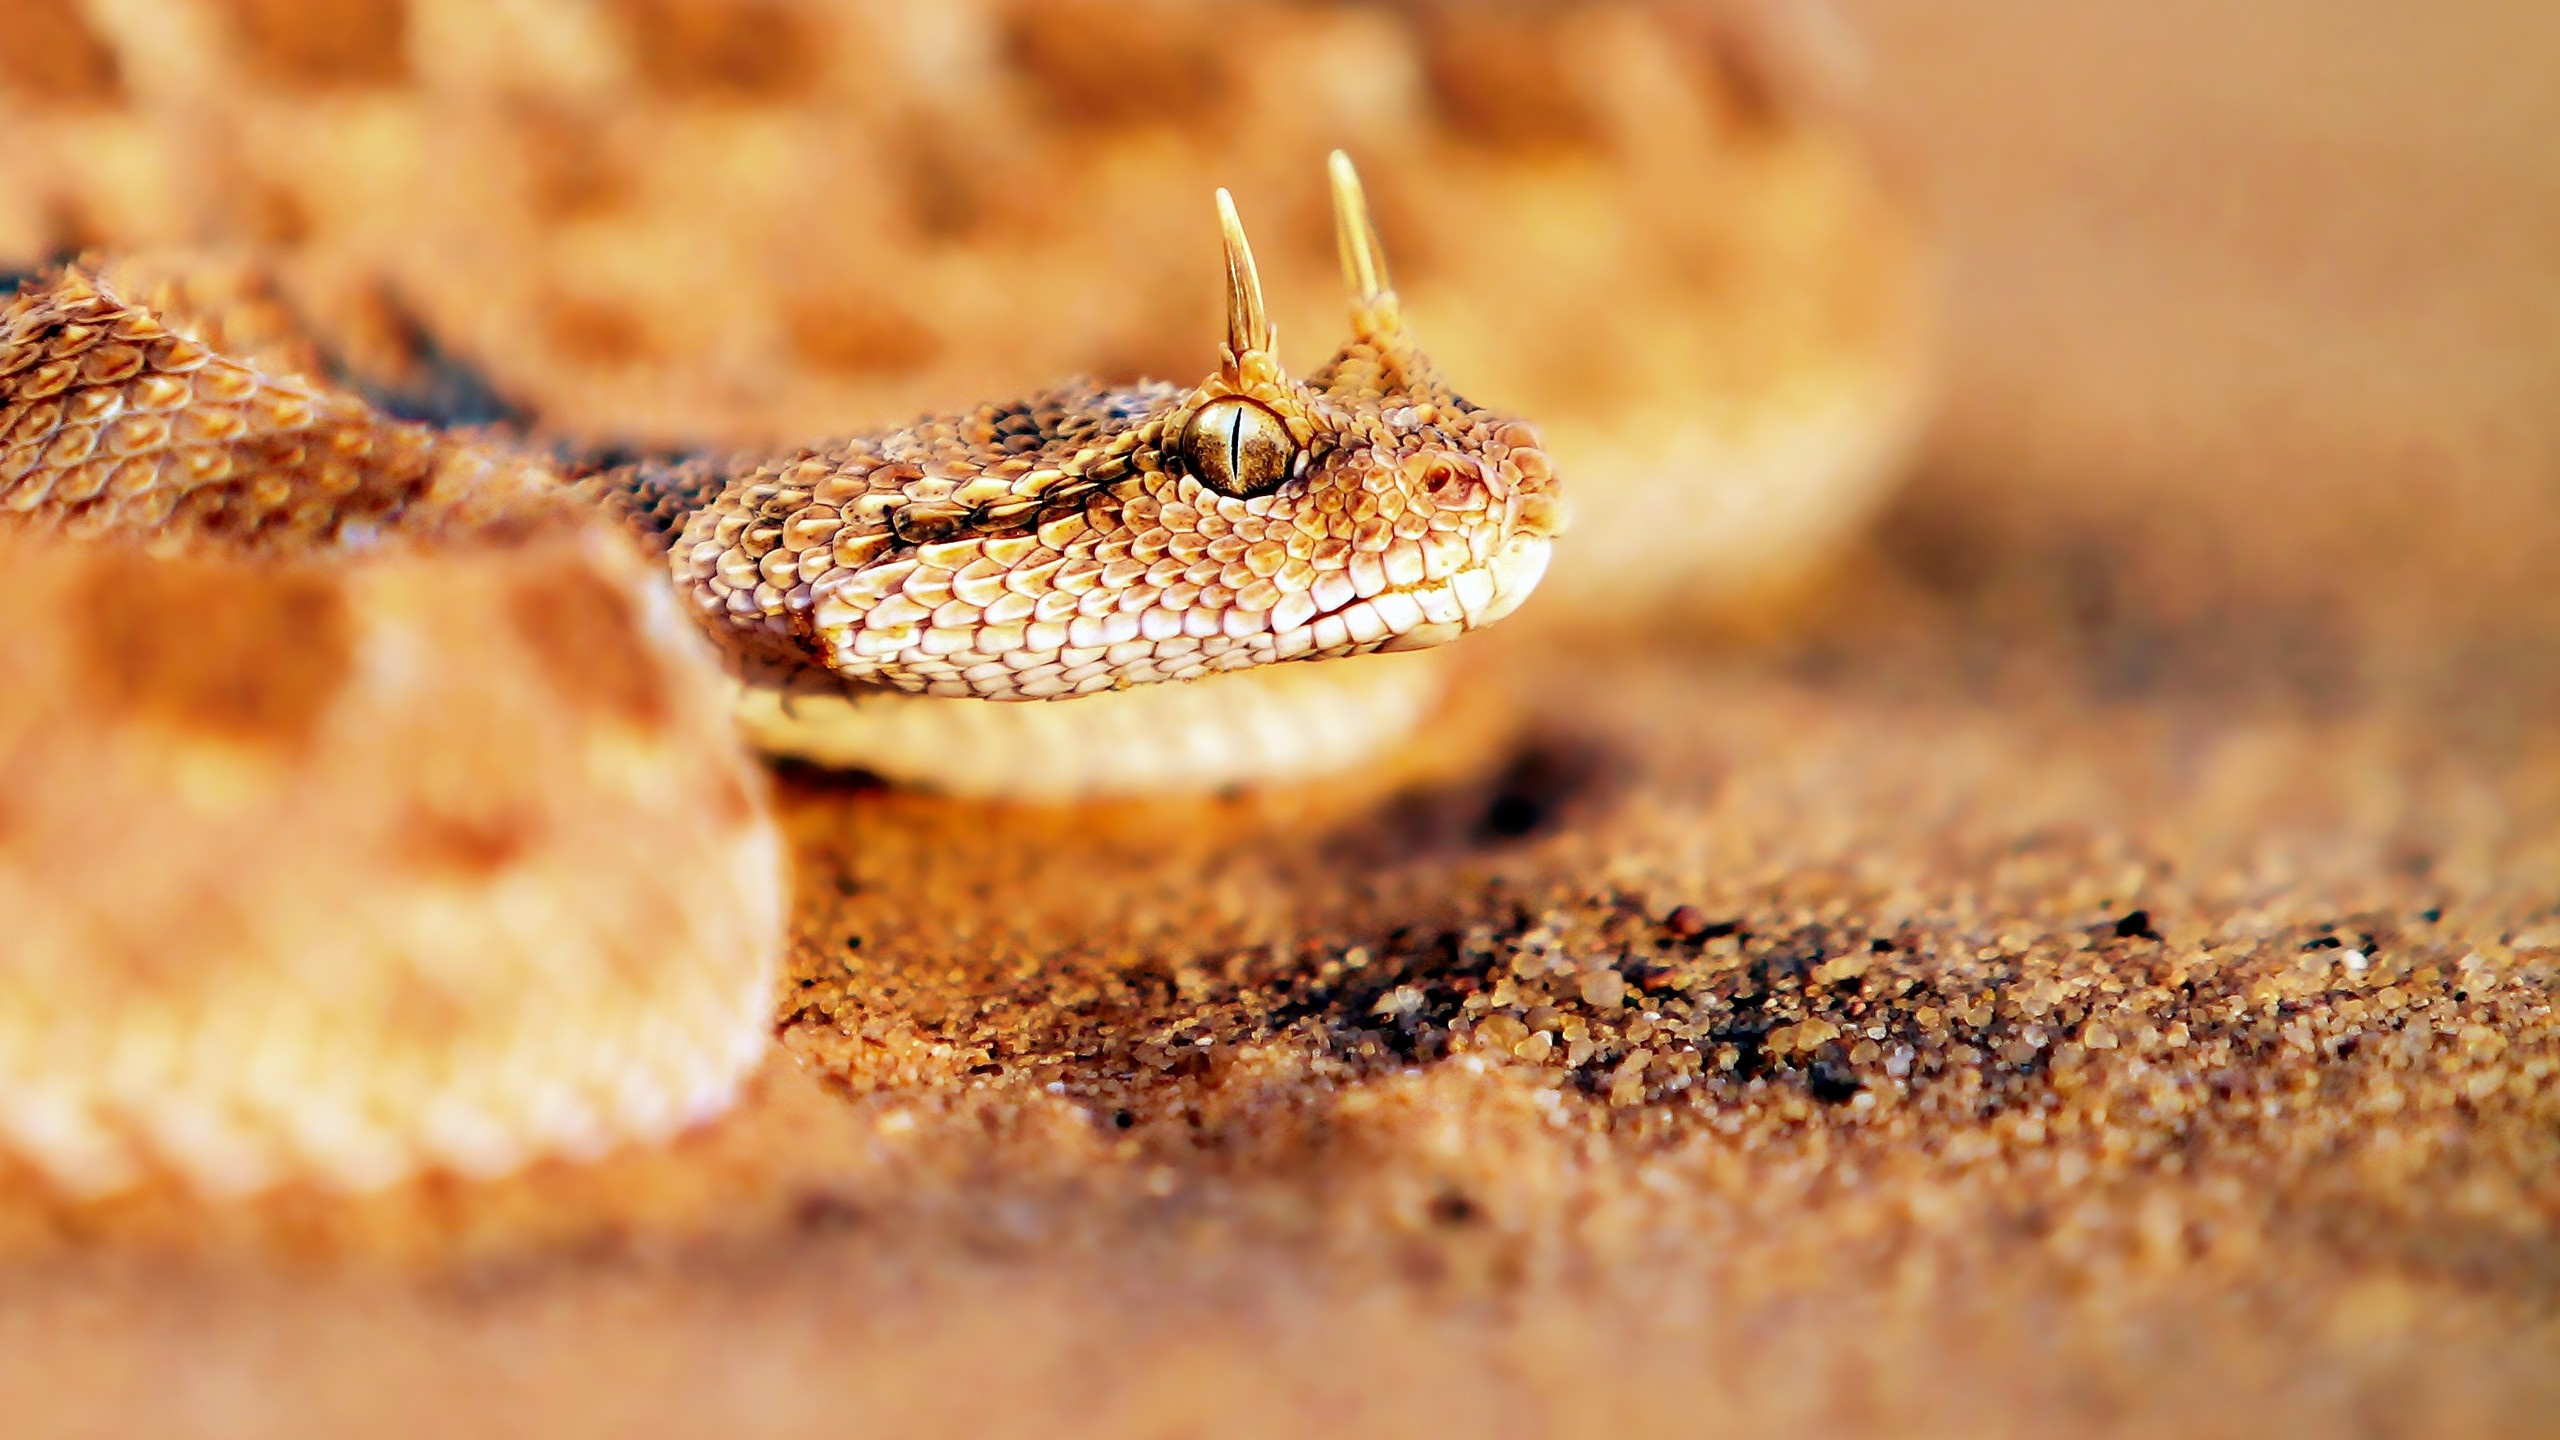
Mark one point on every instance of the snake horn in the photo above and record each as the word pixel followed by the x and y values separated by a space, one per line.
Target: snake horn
pixel 1364 260
pixel 1248 324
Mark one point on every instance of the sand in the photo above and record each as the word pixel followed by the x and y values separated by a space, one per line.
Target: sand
pixel 2086 966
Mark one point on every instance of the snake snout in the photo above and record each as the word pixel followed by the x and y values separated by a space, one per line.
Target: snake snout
pixel 1541 509
pixel 1517 569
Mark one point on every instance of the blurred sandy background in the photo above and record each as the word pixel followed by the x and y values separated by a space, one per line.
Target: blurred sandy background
pixel 2228 552
pixel 2273 291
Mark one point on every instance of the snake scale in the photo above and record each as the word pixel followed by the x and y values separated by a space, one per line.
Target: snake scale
pixel 337 739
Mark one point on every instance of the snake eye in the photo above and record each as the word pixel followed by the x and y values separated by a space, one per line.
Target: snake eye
pixel 1237 448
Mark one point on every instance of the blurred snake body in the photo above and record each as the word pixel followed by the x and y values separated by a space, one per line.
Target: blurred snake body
pixel 373 810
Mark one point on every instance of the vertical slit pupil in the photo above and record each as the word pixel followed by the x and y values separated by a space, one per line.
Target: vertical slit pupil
pixel 1236 447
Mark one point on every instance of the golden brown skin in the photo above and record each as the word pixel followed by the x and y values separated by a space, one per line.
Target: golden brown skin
pixel 1655 227
pixel 337 873
pixel 378 815
pixel 1085 539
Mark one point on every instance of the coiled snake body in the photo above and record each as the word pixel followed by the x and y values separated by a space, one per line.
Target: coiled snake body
pixel 372 812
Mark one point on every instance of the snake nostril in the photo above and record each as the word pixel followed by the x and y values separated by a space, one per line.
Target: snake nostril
pixel 1448 483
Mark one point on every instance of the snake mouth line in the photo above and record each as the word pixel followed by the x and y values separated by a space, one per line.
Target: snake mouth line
pixel 1090 654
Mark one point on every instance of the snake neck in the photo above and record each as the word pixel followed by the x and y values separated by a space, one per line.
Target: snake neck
pixel 657 493
pixel 654 495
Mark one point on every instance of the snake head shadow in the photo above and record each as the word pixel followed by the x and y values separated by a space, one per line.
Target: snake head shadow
pixel 1417 516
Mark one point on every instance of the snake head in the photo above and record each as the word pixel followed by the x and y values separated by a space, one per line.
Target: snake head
pixel 1095 538
pixel 1413 516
